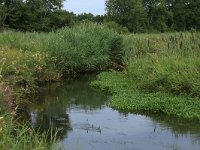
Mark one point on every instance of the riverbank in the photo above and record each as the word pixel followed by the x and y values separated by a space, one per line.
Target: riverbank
pixel 126 97
pixel 162 75
pixel 28 59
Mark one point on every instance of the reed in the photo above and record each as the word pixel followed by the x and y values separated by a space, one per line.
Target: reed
pixel 15 136
pixel 165 62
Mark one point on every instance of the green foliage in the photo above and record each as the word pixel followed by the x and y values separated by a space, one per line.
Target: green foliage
pixel 90 45
pixel 128 13
pixel 165 62
pixel 151 16
pixel 162 75
pixel 89 17
pixel 27 58
pixel 126 97
pixel 33 15
pixel 21 71
pixel 14 136
pixel 186 15
pixel 116 27
pixel 86 47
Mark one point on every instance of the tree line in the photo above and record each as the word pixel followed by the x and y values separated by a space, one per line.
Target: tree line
pixel 155 15
pixel 122 15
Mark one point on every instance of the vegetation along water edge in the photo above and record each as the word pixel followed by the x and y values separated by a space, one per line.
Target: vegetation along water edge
pixel 162 75
pixel 27 59
pixel 40 41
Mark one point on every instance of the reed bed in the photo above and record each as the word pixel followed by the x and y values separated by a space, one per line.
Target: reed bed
pixel 165 62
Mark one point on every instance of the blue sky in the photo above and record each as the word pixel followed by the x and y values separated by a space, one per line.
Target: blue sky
pixel 96 7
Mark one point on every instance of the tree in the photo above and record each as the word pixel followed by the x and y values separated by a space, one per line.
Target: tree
pixel 128 13
pixel 61 18
pixel 3 14
pixel 186 14
pixel 32 15
pixel 160 16
pixel 90 17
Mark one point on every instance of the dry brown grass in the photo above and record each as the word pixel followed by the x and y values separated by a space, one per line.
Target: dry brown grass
pixel 7 93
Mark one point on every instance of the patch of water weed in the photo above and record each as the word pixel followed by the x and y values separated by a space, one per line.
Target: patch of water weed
pixel 127 97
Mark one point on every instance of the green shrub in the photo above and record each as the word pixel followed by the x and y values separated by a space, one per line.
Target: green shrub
pixel 86 47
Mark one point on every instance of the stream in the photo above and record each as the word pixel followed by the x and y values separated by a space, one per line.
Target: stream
pixel 85 122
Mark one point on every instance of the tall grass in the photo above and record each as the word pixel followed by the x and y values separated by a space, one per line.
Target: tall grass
pixel 165 62
pixel 26 58
pixel 163 75
pixel 85 47
pixel 14 136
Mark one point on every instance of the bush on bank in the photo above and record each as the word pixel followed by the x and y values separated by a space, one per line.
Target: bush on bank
pixel 82 48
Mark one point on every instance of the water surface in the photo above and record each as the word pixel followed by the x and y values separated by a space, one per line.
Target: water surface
pixel 85 122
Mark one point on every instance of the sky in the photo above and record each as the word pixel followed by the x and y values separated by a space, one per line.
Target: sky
pixel 96 7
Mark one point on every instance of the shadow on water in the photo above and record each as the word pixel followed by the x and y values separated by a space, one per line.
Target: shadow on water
pixel 80 114
pixel 55 101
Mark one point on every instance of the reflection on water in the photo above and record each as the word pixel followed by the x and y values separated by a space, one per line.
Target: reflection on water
pixel 80 113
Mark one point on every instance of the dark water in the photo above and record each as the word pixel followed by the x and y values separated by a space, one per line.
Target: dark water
pixel 84 122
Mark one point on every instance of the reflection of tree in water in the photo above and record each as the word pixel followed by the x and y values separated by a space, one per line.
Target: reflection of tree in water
pixel 56 124
pixel 72 93
pixel 176 126
pixel 58 99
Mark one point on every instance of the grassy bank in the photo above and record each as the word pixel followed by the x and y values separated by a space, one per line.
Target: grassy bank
pixel 16 136
pixel 29 58
pixel 165 62
pixel 127 97
pixel 162 75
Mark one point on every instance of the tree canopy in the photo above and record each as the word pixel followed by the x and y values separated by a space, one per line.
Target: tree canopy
pixel 135 15
pixel 158 15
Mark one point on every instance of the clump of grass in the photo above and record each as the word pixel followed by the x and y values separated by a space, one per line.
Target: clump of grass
pixel 14 136
pixel 26 58
pixel 86 47
pixel 22 69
